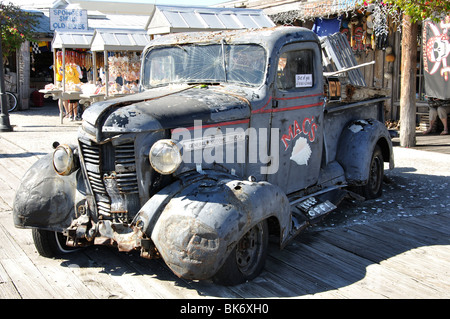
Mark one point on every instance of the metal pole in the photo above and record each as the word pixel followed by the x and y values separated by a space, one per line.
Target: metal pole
pixel 61 99
pixel 4 116
pixel 106 69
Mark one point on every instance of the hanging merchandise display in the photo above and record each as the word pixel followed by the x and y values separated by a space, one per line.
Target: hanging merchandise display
pixel 78 64
pixel 118 60
pixel 381 15
pixel 71 65
pixel 365 33
pixel 124 69
pixel 381 28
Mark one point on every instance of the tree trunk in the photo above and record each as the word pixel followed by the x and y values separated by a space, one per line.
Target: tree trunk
pixel 408 83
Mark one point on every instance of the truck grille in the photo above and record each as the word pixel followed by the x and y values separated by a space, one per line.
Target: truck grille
pixel 125 167
pixel 111 171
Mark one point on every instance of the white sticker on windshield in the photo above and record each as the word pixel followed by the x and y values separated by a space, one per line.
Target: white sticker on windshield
pixel 303 80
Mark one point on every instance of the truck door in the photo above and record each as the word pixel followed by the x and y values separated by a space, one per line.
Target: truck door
pixel 297 111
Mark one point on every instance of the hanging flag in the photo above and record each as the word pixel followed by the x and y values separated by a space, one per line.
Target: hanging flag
pixel 35 48
pixel 436 58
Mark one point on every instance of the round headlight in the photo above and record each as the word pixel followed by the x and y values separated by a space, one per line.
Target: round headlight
pixel 63 160
pixel 165 156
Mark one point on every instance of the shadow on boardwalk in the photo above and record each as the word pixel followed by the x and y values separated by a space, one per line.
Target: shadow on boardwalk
pixel 380 260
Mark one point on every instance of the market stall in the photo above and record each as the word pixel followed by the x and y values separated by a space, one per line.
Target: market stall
pixel 117 55
pixel 70 57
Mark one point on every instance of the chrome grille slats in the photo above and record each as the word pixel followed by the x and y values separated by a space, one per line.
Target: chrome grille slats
pixel 124 158
pixel 106 161
pixel 125 165
pixel 92 154
pixel 127 182
pixel 104 207
pixel 92 159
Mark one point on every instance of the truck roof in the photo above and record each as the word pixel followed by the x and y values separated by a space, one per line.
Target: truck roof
pixel 265 36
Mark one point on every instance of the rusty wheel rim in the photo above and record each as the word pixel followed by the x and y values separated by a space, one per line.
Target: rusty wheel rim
pixel 249 250
pixel 375 174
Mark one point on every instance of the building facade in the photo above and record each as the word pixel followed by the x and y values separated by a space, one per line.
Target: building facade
pixel 373 36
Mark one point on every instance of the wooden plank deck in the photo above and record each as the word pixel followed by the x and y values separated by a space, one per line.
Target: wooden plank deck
pixel 364 261
pixel 405 258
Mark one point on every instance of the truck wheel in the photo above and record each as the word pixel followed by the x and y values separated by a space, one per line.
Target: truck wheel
pixel 247 259
pixel 374 187
pixel 50 243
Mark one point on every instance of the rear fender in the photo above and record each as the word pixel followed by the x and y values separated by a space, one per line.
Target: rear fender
pixel 199 225
pixel 356 145
pixel 45 199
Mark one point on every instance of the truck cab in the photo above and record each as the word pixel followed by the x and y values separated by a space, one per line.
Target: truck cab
pixel 235 135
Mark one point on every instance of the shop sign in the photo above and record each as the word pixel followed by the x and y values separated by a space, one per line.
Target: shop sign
pixel 68 19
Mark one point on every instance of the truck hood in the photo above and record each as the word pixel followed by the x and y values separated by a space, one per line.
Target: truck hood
pixel 165 108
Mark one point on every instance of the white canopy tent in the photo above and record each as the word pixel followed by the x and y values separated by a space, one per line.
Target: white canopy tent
pixel 170 19
pixel 119 40
pixel 72 40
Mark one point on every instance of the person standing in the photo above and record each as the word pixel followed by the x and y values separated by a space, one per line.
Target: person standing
pixel 73 75
pixel 439 108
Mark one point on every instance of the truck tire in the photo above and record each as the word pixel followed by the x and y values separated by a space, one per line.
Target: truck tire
pixel 50 243
pixel 247 259
pixel 374 187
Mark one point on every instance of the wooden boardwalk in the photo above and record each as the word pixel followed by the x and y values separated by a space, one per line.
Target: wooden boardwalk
pixel 405 258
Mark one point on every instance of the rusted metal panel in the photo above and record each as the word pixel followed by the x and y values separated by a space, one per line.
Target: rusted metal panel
pixel 199 226
pixel 45 199
pixel 355 141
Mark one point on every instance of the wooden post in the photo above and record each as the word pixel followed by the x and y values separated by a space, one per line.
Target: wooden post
pixel 408 83
pixel 94 67
pixel 23 75
pixel 5 126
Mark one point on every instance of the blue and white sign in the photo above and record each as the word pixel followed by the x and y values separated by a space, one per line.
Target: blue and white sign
pixel 68 19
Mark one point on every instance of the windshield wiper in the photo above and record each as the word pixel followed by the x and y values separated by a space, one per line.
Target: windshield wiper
pixel 203 83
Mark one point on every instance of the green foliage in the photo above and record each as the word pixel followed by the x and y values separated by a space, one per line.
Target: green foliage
pixel 16 27
pixel 418 9
pixel 423 9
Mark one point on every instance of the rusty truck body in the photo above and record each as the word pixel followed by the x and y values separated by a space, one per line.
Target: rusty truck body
pixel 235 135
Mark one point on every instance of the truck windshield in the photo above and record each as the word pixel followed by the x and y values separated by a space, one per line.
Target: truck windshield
pixel 214 63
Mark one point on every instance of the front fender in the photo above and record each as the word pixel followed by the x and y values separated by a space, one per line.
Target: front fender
pixel 356 145
pixel 45 199
pixel 201 224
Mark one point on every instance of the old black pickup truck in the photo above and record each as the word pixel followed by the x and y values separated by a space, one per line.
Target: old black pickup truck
pixel 235 135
